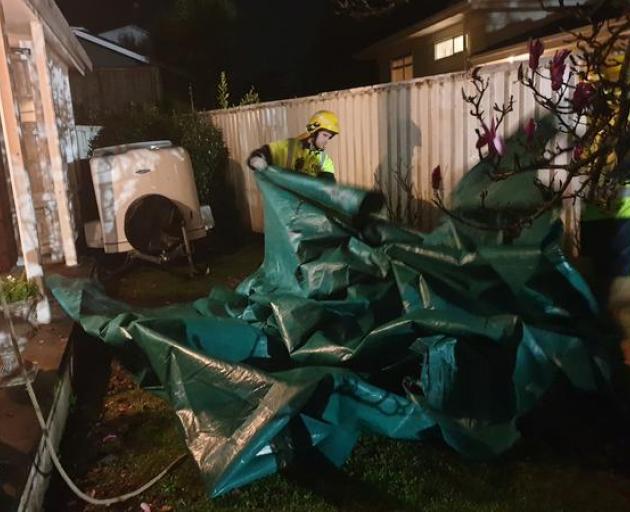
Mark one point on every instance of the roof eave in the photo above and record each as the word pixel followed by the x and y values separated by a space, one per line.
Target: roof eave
pixel 519 51
pixel 105 43
pixel 60 34
pixel 419 29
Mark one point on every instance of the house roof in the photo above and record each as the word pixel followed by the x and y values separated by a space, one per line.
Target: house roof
pixel 552 42
pixel 452 15
pixel 106 43
pixel 440 20
pixel 56 30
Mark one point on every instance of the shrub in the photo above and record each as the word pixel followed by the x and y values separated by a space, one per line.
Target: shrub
pixel 223 94
pixel 17 289
pixel 192 131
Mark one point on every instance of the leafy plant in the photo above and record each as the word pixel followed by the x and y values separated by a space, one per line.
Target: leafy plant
pixel 251 97
pixel 18 289
pixel 223 93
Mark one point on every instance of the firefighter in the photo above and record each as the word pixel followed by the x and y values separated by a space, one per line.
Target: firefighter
pixel 305 153
pixel 605 239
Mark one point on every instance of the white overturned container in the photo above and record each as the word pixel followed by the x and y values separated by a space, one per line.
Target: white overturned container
pixel 123 174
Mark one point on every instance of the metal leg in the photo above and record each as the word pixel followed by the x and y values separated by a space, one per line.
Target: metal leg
pixel 188 250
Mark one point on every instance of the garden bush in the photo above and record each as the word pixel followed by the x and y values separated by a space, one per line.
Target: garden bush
pixel 194 132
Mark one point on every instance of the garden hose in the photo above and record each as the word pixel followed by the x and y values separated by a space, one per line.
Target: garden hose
pixel 105 502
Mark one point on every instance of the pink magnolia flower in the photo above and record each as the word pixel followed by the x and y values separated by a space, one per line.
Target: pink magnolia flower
pixel 530 130
pixel 536 49
pixel 577 151
pixel 436 178
pixel 583 94
pixel 558 65
pixel 492 139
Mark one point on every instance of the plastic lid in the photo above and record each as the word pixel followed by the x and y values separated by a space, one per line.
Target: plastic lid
pixel 123 148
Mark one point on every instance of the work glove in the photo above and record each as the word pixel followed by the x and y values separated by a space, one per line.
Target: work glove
pixel 258 163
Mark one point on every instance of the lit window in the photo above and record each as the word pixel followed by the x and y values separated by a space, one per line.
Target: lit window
pixel 449 47
pixel 443 49
pixel 402 68
pixel 458 44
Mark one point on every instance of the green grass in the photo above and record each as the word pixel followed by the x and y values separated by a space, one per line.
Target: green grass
pixel 381 475
pixel 151 285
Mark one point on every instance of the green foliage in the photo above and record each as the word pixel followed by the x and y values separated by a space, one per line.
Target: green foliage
pixel 208 153
pixel 17 289
pixel 223 93
pixel 251 97
pixel 194 132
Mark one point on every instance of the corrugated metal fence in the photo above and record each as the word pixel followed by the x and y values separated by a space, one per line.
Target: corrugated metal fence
pixel 405 127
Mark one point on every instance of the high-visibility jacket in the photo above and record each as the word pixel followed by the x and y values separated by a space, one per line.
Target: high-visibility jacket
pixel 297 155
pixel 620 209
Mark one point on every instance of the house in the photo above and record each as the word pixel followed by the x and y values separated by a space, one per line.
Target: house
pixel 38 213
pixel 120 77
pixel 461 33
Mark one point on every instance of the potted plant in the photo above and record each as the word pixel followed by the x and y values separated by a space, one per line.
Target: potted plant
pixel 21 297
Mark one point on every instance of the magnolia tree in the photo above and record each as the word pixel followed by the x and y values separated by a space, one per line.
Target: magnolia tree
pixel 585 89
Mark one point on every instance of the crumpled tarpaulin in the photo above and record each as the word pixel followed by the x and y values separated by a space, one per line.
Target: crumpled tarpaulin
pixel 353 324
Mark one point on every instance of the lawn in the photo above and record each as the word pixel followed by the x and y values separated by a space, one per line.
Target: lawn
pixel 575 454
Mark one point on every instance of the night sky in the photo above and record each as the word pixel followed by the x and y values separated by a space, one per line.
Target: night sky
pixel 285 48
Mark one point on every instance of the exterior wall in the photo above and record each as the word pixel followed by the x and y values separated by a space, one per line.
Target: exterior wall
pixel 31 142
pixel 25 81
pixel 68 145
pixel 407 127
pixel 422 50
pixel 113 90
pixel 424 62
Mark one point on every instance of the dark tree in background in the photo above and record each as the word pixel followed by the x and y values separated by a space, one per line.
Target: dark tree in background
pixel 366 8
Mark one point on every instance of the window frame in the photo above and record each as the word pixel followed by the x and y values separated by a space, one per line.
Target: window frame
pixel 450 41
pixel 401 68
